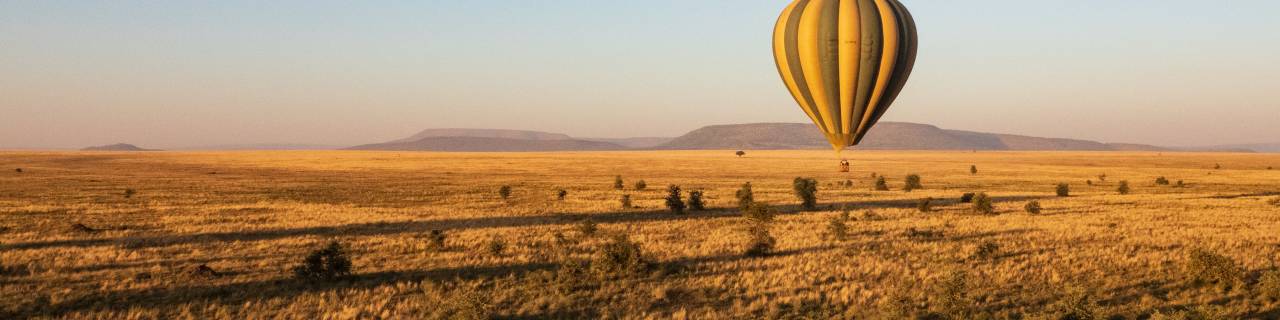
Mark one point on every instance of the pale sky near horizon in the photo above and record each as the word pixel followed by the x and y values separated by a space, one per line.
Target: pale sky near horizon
pixel 172 74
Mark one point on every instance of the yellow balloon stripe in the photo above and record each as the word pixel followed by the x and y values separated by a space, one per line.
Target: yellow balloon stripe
pixel 889 56
pixel 784 68
pixel 809 48
pixel 850 52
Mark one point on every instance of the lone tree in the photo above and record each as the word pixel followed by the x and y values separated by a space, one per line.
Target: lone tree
pixel 1064 190
pixel 673 200
pixel 741 153
pixel 745 196
pixel 327 263
pixel 973 169
pixel 807 190
pixel 913 183
pixel 881 185
pixel 695 201
pixel 1124 187
pixel 617 183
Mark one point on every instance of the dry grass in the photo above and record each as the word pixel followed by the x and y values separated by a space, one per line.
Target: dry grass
pixel 243 220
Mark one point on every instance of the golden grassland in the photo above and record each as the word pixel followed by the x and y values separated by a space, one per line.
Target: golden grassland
pixel 252 216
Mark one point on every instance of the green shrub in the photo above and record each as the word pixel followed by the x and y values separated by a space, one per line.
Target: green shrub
pixel 1206 267
pixel 1161 181
pixel 561 193
pixel 695 201
pixel 837 227
pixel 1076 304
pixel 641 185
pixel 495 246
pixel 745 196
pixel 625 201
pixel 129 193
pixel 987 250
pixel 807 190
pixel 435 240
pixel 504 192
pixel 967 197
pixel 617 182
pixel 674 202
pixel 619 257
pixel 983 204
pixel 1179 184
pixel 912 183
pixel 925 205
pixel 953 297
pixel 1064 190
pixel 587 227
pixel 759 218
pixel 973 169
pixel 881 184
pixel 1033 207
pixel 1124 187
pixel 1269 285
pixel 327 263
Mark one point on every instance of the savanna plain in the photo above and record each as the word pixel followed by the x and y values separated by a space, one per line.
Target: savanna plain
pixel 393 235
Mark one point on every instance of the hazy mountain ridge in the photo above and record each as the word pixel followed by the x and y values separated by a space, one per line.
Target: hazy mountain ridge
pixel 755 136
pixel 117 147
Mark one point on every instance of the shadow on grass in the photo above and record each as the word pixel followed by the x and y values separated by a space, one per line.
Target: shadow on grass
pixel 391 228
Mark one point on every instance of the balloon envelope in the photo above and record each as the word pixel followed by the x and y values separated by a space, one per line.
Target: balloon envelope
pixel 845 61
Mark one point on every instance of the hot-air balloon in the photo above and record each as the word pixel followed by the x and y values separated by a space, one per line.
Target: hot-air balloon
pixel 845 61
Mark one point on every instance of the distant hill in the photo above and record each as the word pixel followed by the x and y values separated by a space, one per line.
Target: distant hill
pixel 486 144
pixel 634 143
pixel 257 147
pixel 885 136
pixel 1258 147
pixel 486 133
pixel 117 147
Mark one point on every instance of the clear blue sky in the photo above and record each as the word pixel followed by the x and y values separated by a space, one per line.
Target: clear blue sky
pixel 183 73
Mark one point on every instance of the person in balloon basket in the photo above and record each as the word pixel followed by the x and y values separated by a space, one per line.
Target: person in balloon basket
pixel 844 165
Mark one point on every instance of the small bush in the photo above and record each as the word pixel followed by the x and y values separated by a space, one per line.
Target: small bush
pixel 983 204
pixel 912 183
pixel 1033 207
pixel 967 197
pixel 495 246
pixel 1076 304
pixel 1207 267
pixel 19 170
pixel 985 251
pixel 625 201
pixel 1217 166
pixel 1161 181
pixel 327 263
pixel 641 185
pixel 837 227
pixel 740 153
pixel 587 227
pixel 807 190
pixel 561 193
pixel 1064 190
pixel 617 183
pixel 973 169
pixel 1124 187
pixel 953 295
pixel 504 192
pixel 759 218
pixel 435 240
pixel 1269 285
pixel 129 193
pixel 745 196
pixel 1179 184
pixel 695 201
pixel 674 202
pixel 881 184
pixel 848 183
pixel 619 257
pixel 925 205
